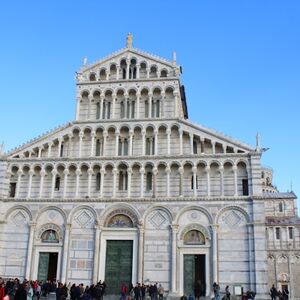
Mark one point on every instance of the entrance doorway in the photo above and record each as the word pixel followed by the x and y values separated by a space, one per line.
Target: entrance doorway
pixel 118 266
pixel 194 274
pixel 47 269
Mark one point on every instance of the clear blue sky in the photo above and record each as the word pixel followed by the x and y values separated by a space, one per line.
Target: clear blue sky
pixel 241 64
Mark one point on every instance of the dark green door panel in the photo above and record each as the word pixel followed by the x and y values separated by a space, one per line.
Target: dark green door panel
pixel 43 266
pixel 189 274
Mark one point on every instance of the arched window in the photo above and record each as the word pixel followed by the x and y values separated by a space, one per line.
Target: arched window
pixel 150 142
pixel 61 152
pixel 50 236
pixel 98 147
pixel 120 221
pixel 98 181
pixel 98 111
pixel 57 183
pixel 194 237
pixel 93 77
pixel 149 181
pixel 163 73
pixel 123 181
pixel 280 207
pixel 195 150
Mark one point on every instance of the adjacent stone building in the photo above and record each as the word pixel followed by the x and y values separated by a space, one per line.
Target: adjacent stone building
pixel 133 191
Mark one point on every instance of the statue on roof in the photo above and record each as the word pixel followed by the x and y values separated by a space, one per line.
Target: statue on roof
pixel 2 149
pixel 129 40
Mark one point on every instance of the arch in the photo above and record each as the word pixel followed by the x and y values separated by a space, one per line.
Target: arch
pixel 228 161
pixel 201 161
pixel 18 207
pixel 162 163
pixel 241 160
pixel 194 207
pixel 49 226
pixel 190 162
pixel 109 164
pixel 214 161
pixel 84 93
pixel 81 207
pixel 194 226
pixel 157 207
pixel 58 209
pixel 232 207
pixel 176 163
pixel 122 162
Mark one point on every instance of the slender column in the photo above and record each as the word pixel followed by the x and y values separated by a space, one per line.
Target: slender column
pixel 194 169
pixel 78 173
pixel 29 253
pixel 40 151
pixel 234 168
pixel 138 76
pixel 142 172
pixel 31 173
pixel 29 153
pixel 54 173
pixel 141 253
pixel 20 173
pixel 138 99
pixel 118 71
pixel 115 172
pixel 42 175
pixel 125 106
pixel 65 253
pixel 191 143
pixel 117 143
pixel 207 169
pixel 143 142
pixel 105 135
pixel 66 174
pixel 150 106
pixel 154 172
pixel 181 171
pixel 213 144
pixel 221 169
pixel 202 145
pixel 101 106
pixel 127 68
pixel 174 229
pixel 93 135
pixel 96 252
pixel 215 252
pixel 70 136
pixel 162 108
pixel 155 142
pixel 168 171
pixel 80 144
pixel 180 141
pixel 102 172
pixel 90 173
pixel 176 94
pixel 78 108
pixel 114 99
pixel 130 147
pixel 129 173
pixel 50 148
pixel 224 146
pixel 148 72
pixel 60 140
pixel 90 98
pixel 169 141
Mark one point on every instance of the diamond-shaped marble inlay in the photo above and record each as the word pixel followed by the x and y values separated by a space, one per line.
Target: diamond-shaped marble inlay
pixel 52 214
pixel 158 219
pixel 19 219
pixel 83 219
pixel 232 219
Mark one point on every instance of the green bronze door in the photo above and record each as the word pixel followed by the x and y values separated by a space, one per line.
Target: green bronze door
pixel 43 266
pixel 118 266
pixel 189 274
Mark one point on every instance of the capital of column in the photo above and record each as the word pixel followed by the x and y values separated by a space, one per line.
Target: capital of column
pixel 117 132
pixel 105 133
pixel 181 170
pixel 60 139
pixel 234 168
pixel 131 132
pixel 174 228
pixel 180 131
pixel 54 172
pixel 31 172
pixel 42 173
pixel 207 168
pixel 142 170
pixel 20 172
pixel 129 171
pixel 168 169
pixel 221 169
pixel 168 131
pixel 66 172
pixel 78 172
pixel 93 134
pixel 68 226
pixel 194 169
pixel 50 144
pixel 32 224
pixel 150 95
pixel 81 134
pixel 154 171
pixel 143 132
pixel 115 171
pixel 191 135
pixel 70 136
pixel 90 171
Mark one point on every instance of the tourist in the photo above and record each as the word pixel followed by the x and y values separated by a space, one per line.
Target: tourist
pixel 286 293
pixel 143 290
pixel 20 293
pixel 273 292
pixel 161 292
pixel 29 290
pixel 227 293
pixel 124 290
pixel 216 289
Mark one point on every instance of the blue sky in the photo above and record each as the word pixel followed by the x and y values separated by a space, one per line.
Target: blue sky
pixel 240 59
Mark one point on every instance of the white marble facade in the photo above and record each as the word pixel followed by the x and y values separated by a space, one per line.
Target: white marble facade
pixel 132 151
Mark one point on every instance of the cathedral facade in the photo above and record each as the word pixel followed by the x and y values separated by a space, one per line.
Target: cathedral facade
pixel 133 191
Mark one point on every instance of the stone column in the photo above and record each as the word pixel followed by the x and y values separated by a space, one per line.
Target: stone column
pixel 65 253
pixel 215 252
pixel 20 173
pixel 70 136
pixel 194 169
pixel 66 174
pixel 101 106
pixel 118 72
pixel 176 94
pixel 93 135
pixel 168 171
pixel 130 146
pixel 221 169
pixel 30 248
pixel 40 151
pixel 102 172
pixel 143 142
pixel 31 173
pixel 114 99
pixel 180 142
pixel 234 168
pixel 78 173
pixel 42 175
pixel 54 173
pixel 181 171
pixel 105 134
pixel 148 72
pixel 155 142
pixel 142 172
pixel 191 143
pixel 202 145
pixel 150 106
pixel 207 169
pixel 50 144
pixel 90 98
pixel 129 173
pixel 137 77
pixel 96 252
pixel 117 143
pixel 213 145
pixel 90 173
pixel 115 172
pixel 78 109
pixel 60 140
pixel 174 230
pixel 127 68
pixel 141 253
pixel 154 172
pixel 80 144
pixel 169 141
pixel 138 99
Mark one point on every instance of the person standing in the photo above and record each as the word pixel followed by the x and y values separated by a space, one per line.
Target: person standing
pixel 227 293
pixel 286 293
pixel 29 290
pixel 273 292
pixel 123 291
pixel 20 293
pixel 161 292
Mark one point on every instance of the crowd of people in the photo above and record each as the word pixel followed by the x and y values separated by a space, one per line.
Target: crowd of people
pixel 280 295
